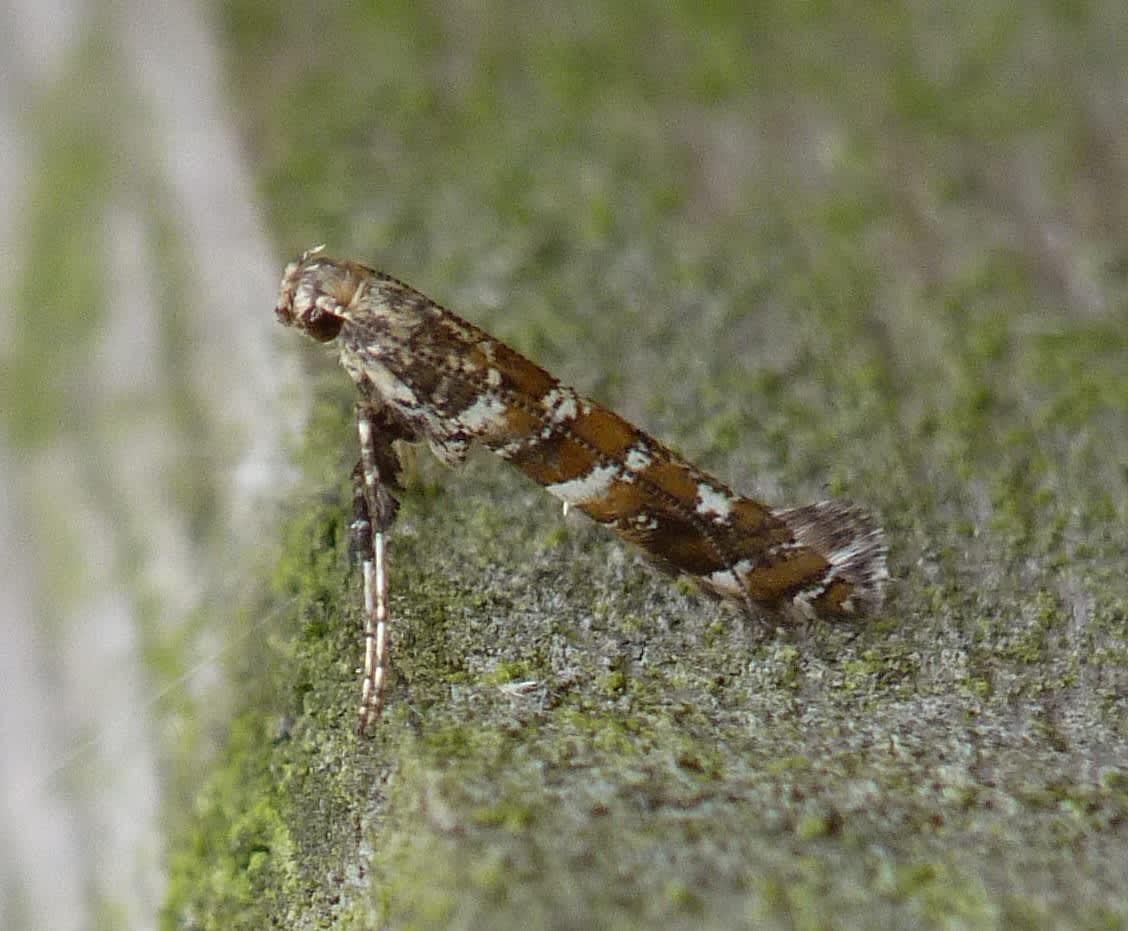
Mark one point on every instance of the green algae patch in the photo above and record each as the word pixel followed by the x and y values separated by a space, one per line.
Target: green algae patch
pixel 232 868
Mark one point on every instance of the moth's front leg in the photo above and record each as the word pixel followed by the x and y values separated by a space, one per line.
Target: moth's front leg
pixel 374 511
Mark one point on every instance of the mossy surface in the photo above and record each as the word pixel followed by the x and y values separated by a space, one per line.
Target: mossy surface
pixel 873 253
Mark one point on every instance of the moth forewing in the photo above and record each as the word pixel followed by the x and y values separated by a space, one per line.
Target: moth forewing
pixel 425 374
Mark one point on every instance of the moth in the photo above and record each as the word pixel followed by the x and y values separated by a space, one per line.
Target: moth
pixel 426 375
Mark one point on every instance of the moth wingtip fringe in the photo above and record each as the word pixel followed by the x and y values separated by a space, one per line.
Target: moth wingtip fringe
pixel 848 537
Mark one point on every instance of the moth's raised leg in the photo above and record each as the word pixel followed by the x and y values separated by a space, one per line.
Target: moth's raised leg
pixel 374 511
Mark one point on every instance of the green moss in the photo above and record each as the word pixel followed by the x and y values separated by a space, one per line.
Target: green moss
pixel 239 848
pixel 505 673
pixel 817 824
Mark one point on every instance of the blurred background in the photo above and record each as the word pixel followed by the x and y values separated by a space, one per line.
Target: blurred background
pixel 142 438
pixel 865 249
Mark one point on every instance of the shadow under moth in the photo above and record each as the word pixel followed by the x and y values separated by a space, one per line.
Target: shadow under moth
pixel 426 375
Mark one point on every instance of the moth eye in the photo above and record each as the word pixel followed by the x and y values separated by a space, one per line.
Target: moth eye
pixel 323 326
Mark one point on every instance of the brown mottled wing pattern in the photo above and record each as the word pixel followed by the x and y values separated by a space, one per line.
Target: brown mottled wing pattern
pixel 451 384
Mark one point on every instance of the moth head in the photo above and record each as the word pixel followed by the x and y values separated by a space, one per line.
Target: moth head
pixel 308 298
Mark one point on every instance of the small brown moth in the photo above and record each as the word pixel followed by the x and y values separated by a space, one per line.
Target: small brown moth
pixel 425 374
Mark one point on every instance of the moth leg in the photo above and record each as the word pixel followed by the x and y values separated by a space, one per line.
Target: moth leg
pixel 374 511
